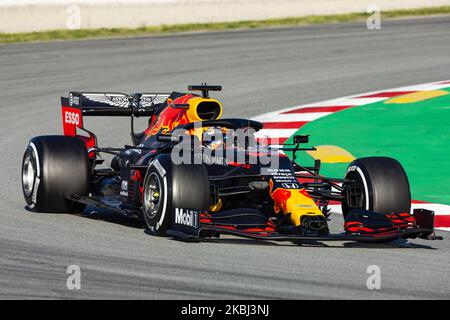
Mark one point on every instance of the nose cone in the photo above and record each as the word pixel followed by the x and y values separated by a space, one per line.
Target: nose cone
pixel 314 223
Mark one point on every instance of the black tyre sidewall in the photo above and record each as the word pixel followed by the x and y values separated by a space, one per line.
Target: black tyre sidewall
pixel 386 187
pixel 63 166
pixel 29 198
pixel 184 186
pixel 161 221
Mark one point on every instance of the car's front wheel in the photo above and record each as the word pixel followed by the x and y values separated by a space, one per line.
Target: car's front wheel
pixel 377 184
pixel 168 186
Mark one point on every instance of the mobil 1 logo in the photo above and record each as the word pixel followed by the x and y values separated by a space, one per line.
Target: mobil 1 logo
pixel 186 220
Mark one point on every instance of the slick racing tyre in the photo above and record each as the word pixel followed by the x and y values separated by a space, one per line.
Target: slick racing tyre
pixel 168 186
pixel 53 167
pixel 378 184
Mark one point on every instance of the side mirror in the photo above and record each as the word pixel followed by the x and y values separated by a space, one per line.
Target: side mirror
pixel 301 138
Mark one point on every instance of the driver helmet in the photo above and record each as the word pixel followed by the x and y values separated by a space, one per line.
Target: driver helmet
pixel 215 137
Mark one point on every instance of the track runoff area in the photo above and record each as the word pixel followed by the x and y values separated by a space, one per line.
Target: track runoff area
pixel 410 124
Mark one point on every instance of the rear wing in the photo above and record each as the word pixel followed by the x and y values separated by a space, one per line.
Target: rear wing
pixel 112 104
pixel 80 104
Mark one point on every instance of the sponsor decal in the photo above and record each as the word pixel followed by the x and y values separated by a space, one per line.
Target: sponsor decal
pixel 119 100
pixel 306 206
pixel 186 217
pixel 73 100
pixel 159 168
pixel 280 197
pixel 72 118
pixel 115 100
pixel 130 152
pixel 210 159
pixel 283 178
pixel 147 100
pixel 124 187
pixel 290 185
pixel 38 176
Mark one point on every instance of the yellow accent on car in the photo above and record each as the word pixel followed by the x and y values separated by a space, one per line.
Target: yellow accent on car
pixel 217 206
pixel 417 96
pixel 331 154
pixel 300 205
pixel 199 107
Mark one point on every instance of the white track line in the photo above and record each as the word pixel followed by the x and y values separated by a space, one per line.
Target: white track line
pixel 292 117
pixel 276 132
pixel 353 99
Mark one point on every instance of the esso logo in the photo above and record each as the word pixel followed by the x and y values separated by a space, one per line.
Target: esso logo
pixel 72 118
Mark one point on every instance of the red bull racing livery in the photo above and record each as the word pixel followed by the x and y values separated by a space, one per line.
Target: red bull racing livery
pixel 194 175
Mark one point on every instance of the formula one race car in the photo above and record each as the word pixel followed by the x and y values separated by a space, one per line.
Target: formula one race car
pixel 193 175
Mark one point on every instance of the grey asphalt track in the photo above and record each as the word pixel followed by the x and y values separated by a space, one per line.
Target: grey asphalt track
pixel 260 70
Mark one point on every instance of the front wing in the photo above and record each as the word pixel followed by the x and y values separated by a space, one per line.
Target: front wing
pixel 251 224
pixel 275 236
pixel 191 225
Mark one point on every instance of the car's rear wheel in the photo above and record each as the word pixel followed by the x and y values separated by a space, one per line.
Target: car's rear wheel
pixel 168 186
pixel 52 168
pixel 377 184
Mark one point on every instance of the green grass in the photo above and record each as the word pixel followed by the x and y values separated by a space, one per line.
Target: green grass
pixel 165 29
pixel 417 134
